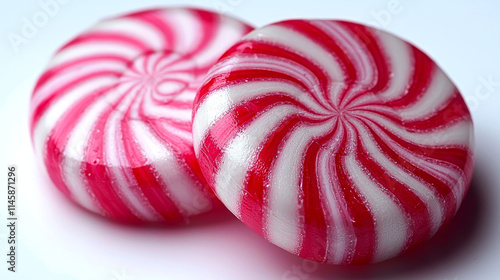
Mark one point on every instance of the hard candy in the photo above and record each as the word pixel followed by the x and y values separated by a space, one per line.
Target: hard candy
pixel 338 142
pixel 111 115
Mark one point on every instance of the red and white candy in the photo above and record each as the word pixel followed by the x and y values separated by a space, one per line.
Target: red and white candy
pixel 111 116
pixel 338 142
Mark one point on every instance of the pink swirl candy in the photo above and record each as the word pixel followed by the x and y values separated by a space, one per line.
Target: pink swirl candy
pixel 111 116
pixel 338 142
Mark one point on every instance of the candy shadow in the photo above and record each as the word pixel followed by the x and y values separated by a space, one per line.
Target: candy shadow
pixel 453 243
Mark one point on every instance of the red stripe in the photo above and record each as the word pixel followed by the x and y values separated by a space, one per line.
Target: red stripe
pixel 58 139
pixel 210 24
pixel 392 116
pixel 452 154
pixel 252 209
pixel 455 110
pixel 107 37
pixel 147 177
pixel 99 181
pixel 155 19
pixel 423 72
pixel 247 48
pixel 417 214
pixel 227 126
pixel 236 77
pixel 320 38
pixel 362 220
pixel 56 94
pixel 441 189
pixel 314 234
pixel 364 34
pixel 183 152
pixel 55 71
pixel 315 231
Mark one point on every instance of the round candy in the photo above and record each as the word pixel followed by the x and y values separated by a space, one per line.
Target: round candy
pixel 338 142
pixel 111 115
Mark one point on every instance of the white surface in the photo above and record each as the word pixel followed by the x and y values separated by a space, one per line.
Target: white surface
pixel 58 240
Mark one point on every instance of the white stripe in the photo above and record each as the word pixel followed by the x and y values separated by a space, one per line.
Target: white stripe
pixel 439 91
pixel 215 105
pixel 175 63
pixel 185 135
pixel 299 43
pixel 341 232
pixel 290 68
pixel 133 28
pixel 188 94
pixel 180 187
pixel 155 111
pixel 94 48
pixel 442 173
pixel 363 102
pixel 71 172
pixel 60 105
pixel 75 152
pixel 174 72
pixel 228 32
pixel 72 74
pixel 118 166
pixel 219 102
pixel 239 153
pixel 390 224
pixel 456 134
pixel 283 221
pixel 358 56
pixel 434 206
pixel 363 63
pixel 400 63
pixel 186 28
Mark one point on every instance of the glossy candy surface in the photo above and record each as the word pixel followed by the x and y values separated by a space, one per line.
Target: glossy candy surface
pixel 338 142
pixel 111 115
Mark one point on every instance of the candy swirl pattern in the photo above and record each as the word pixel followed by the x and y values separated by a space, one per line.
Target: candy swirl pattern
pixel 338 142
pixel 111 115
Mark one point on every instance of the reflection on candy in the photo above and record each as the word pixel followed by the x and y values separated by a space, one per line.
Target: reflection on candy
pixel 111 116
pixel 338 142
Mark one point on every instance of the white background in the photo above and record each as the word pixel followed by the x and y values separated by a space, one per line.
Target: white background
pixel 58 240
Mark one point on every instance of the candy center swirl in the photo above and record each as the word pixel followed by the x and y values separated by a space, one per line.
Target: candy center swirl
pixel 163 75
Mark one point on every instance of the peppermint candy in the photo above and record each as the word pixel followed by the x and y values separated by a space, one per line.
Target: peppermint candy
pixel 111 115
pixel 338 142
